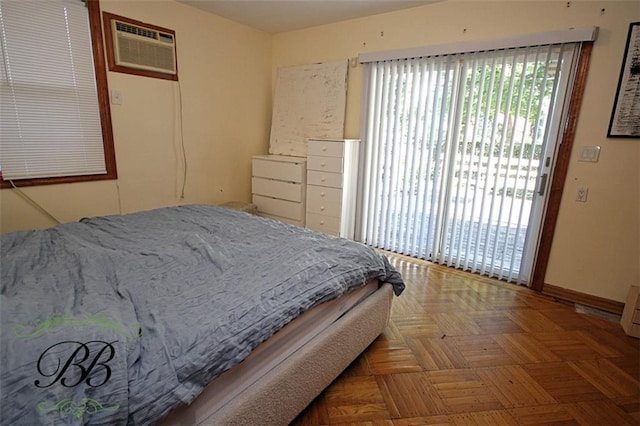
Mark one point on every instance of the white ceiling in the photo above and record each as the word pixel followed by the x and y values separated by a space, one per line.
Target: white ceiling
pixel 275 16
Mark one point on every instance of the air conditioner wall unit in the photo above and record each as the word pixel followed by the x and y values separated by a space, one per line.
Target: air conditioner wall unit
pixel 143 47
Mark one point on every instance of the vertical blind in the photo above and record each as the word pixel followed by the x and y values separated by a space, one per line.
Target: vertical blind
pixel 49 113
pixel 453 149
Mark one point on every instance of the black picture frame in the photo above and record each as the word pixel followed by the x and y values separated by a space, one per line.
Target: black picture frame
pixel 625 116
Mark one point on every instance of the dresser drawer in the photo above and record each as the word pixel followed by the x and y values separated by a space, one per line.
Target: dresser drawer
pixel 324 164
pixel 278 189
pixel 333 180
pixel 324 200
pixel 276 207
pixel 327 224
pixel 325 148
pixel 295 222
pixel 328 209
pixel 282 170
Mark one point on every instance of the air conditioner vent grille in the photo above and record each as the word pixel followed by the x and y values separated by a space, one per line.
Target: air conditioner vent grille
pixel 132 29
pixel 149 56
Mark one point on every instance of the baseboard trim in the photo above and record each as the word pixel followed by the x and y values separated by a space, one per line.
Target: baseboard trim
pixel 583 299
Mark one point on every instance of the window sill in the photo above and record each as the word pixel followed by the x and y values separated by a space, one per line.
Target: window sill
pixel 55 180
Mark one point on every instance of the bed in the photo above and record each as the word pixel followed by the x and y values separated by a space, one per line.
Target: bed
pixel 182 315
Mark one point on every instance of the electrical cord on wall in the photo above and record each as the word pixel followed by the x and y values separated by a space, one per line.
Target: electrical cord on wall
pixel 34 203
pixel 184 152
pixel 179 116
pixel 119 196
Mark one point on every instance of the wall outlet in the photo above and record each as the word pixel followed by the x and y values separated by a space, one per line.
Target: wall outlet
pixel 582 193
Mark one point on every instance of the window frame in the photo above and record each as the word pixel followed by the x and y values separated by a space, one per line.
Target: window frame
pixel 99 63
pixel 565 143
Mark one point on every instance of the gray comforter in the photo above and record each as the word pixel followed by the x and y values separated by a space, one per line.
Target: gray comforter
pixel 115 320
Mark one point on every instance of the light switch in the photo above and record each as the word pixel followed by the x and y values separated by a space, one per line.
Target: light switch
pixel 116 97
pixel 590 154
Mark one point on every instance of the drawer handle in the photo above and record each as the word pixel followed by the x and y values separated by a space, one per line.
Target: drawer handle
pixel 324 148
pixel 322 179
pixel 321 208
pixel 323 164
pixel 322 194
pixel 321 222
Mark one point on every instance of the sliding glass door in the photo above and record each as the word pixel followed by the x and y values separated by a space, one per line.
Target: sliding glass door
pixel 458 153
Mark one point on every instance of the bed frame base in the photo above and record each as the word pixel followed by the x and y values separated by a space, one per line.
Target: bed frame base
pixel 281 394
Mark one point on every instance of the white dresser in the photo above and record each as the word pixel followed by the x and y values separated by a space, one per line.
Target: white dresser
pixel 332 170
pixel 278 186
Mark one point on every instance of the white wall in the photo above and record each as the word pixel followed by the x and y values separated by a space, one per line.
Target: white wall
pixel 596 249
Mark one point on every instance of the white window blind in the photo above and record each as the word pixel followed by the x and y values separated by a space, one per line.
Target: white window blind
pixel 49 112
pixel 455 151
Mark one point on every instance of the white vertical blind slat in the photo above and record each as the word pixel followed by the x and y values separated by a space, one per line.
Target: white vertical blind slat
pixel 506 205
pixel 418 212
pixel 435 159
pixel 528 162
pixel 368 134
pixel 396 194
pixel 451 188
pixel 373 147
pixel 387 153
pixel 478 125
pixel 465 165
pixel 395 149
pixel 411 160
pixel 408 135
pixel 376 147
pixel 441 159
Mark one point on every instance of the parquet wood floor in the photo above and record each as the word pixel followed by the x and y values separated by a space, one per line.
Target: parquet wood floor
pixel 461 349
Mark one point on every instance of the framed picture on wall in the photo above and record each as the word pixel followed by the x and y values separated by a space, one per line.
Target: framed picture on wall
pixel 625 117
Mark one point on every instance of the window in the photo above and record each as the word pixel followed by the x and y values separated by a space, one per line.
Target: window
pixel 54 110
pixel 459 150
